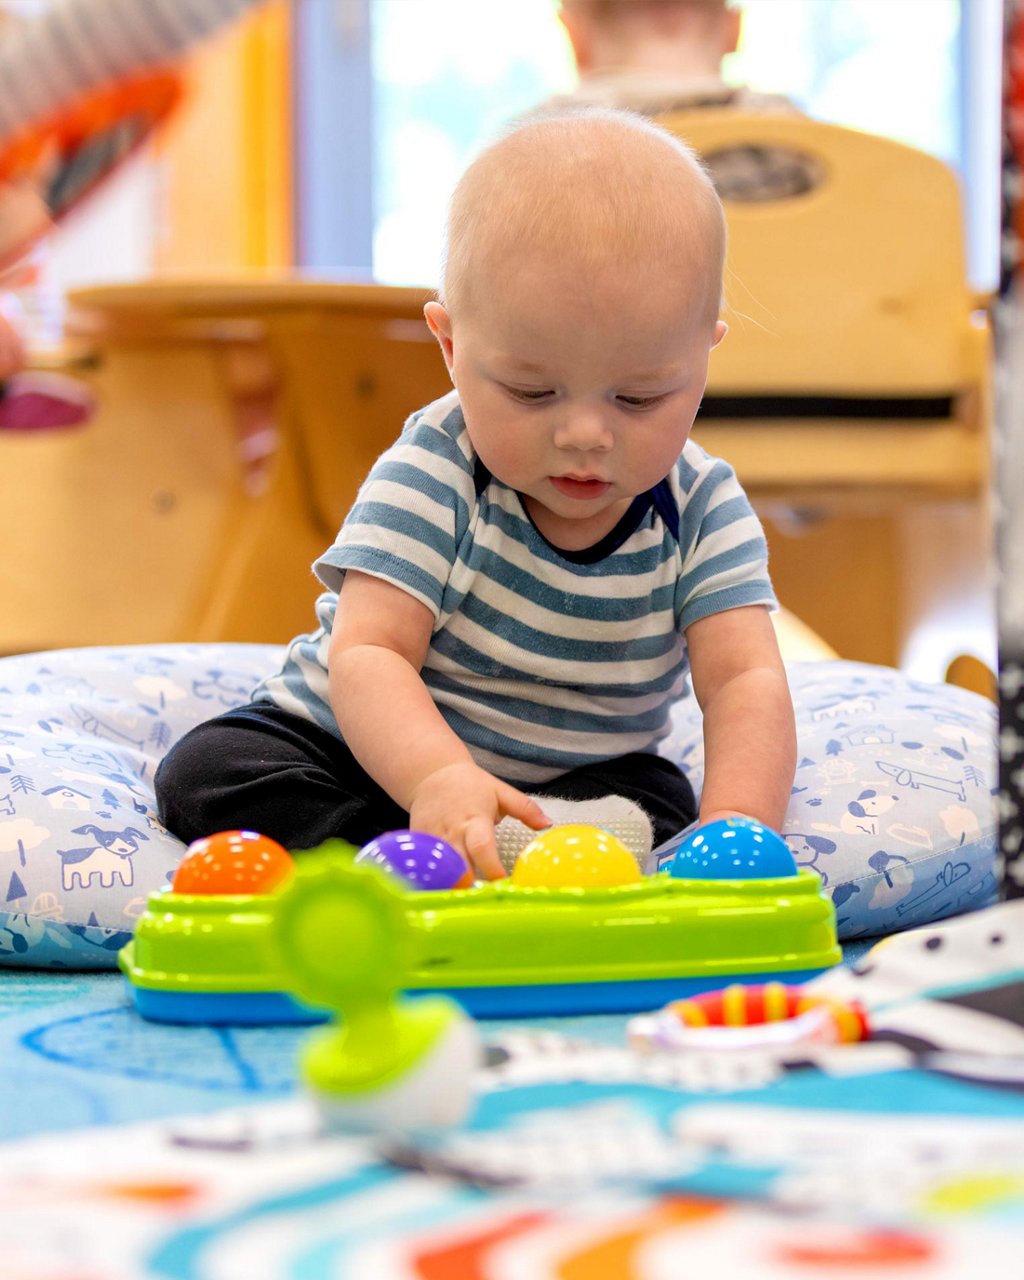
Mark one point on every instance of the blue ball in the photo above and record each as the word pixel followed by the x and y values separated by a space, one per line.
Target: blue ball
pixel 421 860
pixel 733 849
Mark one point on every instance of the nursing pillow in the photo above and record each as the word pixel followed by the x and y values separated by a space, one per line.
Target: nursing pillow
pixel 893 804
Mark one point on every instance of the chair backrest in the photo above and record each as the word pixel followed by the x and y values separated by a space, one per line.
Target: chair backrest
pixel 854 288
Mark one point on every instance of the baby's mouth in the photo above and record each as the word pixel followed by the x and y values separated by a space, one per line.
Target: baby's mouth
pixel 580 486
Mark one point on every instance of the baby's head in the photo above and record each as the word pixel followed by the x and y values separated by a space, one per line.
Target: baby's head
pixel 595 196
pixel 580 302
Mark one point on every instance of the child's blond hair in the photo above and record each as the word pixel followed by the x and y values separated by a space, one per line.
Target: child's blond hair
pixel 588 186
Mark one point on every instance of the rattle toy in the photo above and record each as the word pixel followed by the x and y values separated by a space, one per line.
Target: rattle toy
pixel 770 1015
pixel 501 948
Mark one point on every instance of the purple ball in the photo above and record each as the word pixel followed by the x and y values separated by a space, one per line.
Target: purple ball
pixel 421 860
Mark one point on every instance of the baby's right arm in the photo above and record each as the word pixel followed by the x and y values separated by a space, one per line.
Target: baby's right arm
pixel 393 728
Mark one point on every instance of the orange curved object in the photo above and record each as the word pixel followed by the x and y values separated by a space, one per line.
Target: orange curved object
pixel 147 98
pixel 49 168
pixel 233 862
pixel 742 1006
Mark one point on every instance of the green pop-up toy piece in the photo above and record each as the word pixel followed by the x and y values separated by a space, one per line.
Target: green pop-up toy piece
pixel 344 944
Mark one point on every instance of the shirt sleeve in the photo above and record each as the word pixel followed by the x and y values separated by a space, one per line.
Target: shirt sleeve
pixel 412 511
pixel 721 542
pixel 81 45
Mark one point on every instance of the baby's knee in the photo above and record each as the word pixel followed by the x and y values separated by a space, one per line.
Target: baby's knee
pixel 186 780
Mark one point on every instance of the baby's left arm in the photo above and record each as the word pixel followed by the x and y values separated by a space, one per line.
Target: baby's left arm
pixel 749 732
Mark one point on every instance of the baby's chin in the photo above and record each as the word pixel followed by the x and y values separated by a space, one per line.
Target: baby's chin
pixel 570 526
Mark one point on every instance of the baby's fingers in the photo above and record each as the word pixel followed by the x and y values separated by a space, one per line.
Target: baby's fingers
pixel 482 850
pixel 516 804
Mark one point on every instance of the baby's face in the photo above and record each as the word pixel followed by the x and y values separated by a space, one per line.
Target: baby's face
pixel 578 394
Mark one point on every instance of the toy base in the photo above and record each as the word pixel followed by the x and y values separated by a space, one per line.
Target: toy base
pixel 224 1008
pixel 540 1000
pixel 543 1000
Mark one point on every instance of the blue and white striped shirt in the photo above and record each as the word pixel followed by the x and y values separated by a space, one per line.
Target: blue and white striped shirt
pixel 541 660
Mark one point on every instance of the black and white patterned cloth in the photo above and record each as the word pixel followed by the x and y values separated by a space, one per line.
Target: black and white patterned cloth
pixel 1010 465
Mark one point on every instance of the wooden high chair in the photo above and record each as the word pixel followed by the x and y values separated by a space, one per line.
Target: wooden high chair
pixel 852 393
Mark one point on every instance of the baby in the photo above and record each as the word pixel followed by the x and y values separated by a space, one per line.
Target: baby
pixel 531 571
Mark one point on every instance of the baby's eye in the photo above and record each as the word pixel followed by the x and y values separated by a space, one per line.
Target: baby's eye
pixel 640 402
pixel 528 397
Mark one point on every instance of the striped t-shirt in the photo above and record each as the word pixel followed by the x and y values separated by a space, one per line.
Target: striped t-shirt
pixel 541 660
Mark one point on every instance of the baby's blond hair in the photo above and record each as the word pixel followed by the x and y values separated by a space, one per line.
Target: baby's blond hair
pixel 587 186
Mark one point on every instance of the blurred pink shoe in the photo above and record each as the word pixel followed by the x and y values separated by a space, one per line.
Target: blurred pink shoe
pixel 37 401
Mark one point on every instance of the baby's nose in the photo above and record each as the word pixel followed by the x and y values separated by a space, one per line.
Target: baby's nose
pixel 583 427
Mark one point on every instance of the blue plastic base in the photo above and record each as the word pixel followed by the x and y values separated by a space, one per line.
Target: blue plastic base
pixel 543 1000
pixel 538 1000
pixel 224 1008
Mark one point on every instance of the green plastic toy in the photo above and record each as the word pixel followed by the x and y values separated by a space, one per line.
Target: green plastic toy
pixel 500 949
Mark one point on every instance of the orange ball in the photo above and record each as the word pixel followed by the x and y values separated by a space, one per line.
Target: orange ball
pixel 240 862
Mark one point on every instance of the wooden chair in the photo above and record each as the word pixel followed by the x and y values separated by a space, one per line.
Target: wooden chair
pixel 852 393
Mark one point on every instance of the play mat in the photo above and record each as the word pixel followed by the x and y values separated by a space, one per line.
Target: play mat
pixel 133 1149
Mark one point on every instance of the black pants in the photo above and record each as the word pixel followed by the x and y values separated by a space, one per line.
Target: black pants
pixel 260 768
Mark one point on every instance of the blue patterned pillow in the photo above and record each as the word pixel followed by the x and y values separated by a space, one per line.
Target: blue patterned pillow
pixel 81 734
pixel 893 805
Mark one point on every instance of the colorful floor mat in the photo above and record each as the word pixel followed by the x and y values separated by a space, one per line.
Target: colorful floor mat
pixel 578 1165
pixel 73 1052
pixel 136 1150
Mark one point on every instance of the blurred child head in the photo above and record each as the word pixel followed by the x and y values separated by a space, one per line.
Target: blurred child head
pixel 683 37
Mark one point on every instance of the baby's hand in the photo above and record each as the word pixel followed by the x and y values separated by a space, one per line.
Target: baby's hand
pixel 462 804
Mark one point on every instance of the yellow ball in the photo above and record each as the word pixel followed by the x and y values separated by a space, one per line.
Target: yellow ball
pixel 575 857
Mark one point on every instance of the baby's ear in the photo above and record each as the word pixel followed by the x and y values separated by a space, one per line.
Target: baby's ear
pixel 721 329
pixel 439 323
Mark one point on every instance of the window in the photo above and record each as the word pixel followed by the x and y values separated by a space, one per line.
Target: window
pixel 393 96
pixel 446 73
